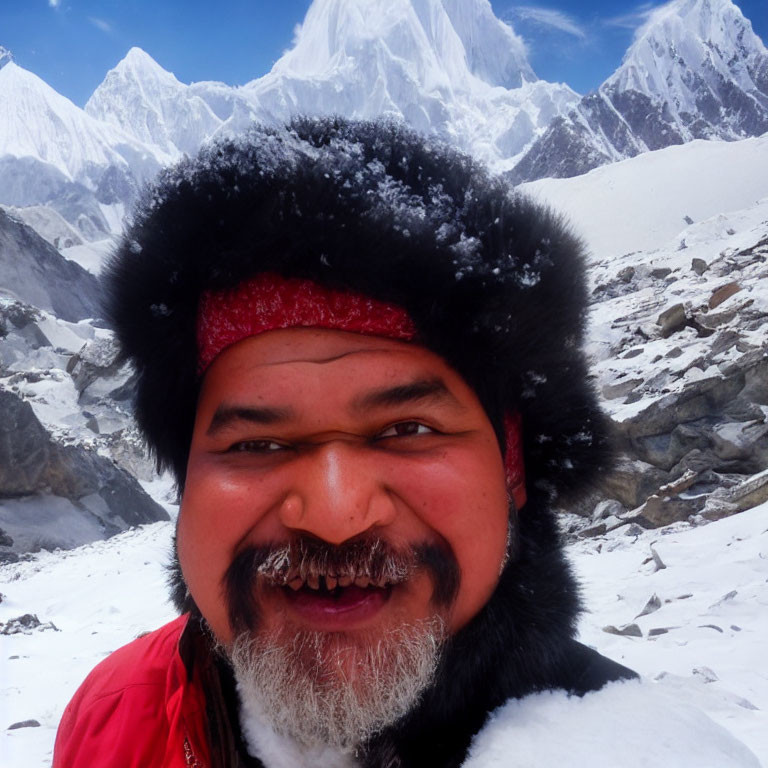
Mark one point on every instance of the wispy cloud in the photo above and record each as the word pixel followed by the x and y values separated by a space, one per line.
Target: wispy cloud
pixel 633 19
pixel 54 3
pixel 104 26
pixel 548 17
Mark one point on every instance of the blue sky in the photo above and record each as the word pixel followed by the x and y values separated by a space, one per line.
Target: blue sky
pixel 72 43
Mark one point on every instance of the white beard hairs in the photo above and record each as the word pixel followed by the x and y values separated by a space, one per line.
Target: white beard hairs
pixel 323 690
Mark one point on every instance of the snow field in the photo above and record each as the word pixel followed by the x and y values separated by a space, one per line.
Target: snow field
pixel 103 595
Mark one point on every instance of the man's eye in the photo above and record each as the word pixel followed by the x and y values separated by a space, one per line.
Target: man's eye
pixel 256 446
pixel 405 429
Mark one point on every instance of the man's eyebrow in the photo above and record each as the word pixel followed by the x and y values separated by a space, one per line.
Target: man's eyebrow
pixel 226 415
pixel 421 389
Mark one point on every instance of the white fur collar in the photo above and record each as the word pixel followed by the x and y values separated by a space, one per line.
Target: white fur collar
pixel 628 724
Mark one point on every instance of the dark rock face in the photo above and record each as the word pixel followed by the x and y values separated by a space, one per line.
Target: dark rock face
pixel 35 272
pixel 60 495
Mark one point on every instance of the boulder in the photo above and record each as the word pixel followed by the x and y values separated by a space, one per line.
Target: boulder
pixel 61 495
pixel 35 272
pixel 699 266
pixel 632 481
pixel 672 320
pixel 723 293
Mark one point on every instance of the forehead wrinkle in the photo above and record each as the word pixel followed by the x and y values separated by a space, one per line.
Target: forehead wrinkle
pixel 321 360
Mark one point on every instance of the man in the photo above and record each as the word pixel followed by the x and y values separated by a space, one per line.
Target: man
pixel 361 357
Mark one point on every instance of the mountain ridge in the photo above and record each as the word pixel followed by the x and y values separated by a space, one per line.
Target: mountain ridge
pixel 696 70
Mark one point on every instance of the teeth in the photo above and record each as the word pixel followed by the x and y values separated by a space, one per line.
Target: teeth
pixel 362 581
pixel 345 580
pixel 313 581
pixel 331 582
pixel 296 584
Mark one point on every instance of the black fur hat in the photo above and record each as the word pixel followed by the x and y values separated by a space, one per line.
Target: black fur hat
pixel 494 283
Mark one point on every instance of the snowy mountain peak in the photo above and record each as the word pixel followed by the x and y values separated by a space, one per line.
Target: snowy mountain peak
pixel 140 64
pixel 446 41
pixel 147 100
pixel 696 70
pixel 5 56
pixel 688 47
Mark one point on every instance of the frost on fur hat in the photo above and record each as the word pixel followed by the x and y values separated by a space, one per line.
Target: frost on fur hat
pixel 490 281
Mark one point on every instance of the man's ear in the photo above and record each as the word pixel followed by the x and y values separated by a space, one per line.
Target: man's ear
pixel 513 458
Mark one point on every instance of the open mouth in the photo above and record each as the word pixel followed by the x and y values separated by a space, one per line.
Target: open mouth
pixel 336 601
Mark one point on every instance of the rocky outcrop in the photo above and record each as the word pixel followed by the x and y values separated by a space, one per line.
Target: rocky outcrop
pixel 685 379
pixel 60 495
pixel 34 272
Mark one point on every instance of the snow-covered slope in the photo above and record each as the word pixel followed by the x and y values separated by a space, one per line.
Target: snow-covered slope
pixel 711 656
pixel 696 70
pixel 641 203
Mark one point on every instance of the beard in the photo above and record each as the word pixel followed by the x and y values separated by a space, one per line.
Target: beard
pixel 334 689
pixel 325 689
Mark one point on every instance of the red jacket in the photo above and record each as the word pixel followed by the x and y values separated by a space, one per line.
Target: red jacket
pixel 137 709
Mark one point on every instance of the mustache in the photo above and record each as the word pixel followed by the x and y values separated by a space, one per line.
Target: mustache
pixel 304 560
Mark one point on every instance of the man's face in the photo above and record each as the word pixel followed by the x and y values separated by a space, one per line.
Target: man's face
pixel 321 458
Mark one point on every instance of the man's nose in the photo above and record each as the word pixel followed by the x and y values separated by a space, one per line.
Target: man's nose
pixel 337 493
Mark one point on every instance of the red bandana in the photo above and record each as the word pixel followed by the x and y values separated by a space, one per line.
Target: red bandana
pixel 268 302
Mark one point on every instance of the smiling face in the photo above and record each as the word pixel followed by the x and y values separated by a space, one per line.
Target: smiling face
pixel 337 437
pixel 340 487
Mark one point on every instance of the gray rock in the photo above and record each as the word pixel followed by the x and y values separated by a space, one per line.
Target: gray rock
pixel 672 320
pixel 653 605
pixel 699 266
pixel 25 448
pixel 35 272
pixel 699 399
pixel 657 561
pixel 64 495
pixel 705 673
pixel 632 481
pixel 658 511
pixel 620 388
pixel 628 630
pixel 608 508
pixel 24 724
pixel 25 625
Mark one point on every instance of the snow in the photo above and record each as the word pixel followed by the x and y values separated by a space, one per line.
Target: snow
pixel 641 203
pixel 37 122
pixel 631 725
pixel 444 67
pixel 140 97
pixel 104 594
pixel 90 256
pixel 684 42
